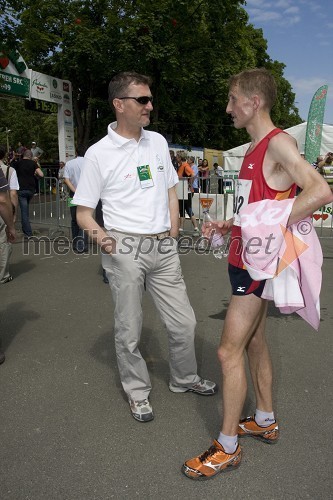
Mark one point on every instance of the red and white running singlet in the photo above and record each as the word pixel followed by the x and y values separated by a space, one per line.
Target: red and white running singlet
pixel 251 186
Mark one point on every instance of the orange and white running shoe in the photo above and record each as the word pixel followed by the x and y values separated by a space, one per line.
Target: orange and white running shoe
pixel 249 427
pixel 212 462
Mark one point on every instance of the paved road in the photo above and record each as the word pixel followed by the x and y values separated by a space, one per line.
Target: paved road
pixel 66 430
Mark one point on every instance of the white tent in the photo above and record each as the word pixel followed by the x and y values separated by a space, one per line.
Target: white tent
pixel 232 159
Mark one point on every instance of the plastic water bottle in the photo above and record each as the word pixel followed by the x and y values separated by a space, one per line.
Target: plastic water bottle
pixel 217 240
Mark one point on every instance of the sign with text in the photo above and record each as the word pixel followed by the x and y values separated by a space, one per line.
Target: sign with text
pixel 53 90
pixel 14 85
pixel 47 94
pixel 50 89
pixel 41 106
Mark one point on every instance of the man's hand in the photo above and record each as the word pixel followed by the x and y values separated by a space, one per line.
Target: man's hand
pixel 108 245
pixel 11 234
pixel 219 227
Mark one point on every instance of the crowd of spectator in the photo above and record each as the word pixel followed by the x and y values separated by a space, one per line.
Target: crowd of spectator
pixel 202 180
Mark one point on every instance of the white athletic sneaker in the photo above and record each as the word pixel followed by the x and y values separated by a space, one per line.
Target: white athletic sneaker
pixel 142 410
pixel 203 387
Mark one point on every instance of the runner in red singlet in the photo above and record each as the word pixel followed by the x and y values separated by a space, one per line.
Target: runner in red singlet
pixel 271 169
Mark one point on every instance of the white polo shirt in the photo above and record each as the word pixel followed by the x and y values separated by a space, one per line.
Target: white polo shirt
pixel 110 173
pixel 12 178
pixel 72 170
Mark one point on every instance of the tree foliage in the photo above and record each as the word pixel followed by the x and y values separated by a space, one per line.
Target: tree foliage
pixel 26 126
pixel 190 48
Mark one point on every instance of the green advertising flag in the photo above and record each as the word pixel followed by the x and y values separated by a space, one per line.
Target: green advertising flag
pixel 314 126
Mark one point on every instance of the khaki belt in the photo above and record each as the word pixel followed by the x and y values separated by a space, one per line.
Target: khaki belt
pixel 157 236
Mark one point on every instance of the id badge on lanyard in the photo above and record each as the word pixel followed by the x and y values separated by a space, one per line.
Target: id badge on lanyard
pixel 242 193
pixel 145 177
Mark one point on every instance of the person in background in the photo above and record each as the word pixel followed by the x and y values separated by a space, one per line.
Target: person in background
pixel 36 151
pixel 130 171
pixel 11 154
pixel 185 173
pixel 14 159
pixel 20 150
pixel 174 160
pixel 195 182
pixel 325 168
pixel 72 173
pixel 219 173
pixel 327 161
pixel 61 170
pixel 62 185
pixel 271 169
pixel 317 161
pixel 204 176
pixel 6 213
pixel 36 155
pixel 27 171
pixel 5 245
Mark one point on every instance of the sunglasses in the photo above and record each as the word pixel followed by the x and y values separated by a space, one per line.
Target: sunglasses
pixel 144 99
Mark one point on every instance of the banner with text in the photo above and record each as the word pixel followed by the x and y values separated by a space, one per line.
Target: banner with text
pixel 51 89
pixel 314 126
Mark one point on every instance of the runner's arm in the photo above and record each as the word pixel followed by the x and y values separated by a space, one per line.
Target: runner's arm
pixel 315 190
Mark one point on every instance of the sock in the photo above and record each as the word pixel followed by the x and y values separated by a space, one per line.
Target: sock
pixel 229 443
pixel 263 418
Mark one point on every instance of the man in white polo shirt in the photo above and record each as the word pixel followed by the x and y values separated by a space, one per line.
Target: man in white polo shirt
pixel 72 172
pixel 131 172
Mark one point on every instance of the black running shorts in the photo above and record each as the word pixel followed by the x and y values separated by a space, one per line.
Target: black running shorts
pixel 242 283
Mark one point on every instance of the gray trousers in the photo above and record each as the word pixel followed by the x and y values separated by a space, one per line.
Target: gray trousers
pixel 5 252
pixel 141 262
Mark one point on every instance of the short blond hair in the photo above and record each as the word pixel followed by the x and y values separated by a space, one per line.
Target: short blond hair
pixel 256 81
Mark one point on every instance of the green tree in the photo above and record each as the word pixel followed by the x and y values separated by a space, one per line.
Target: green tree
pixel 190 48
pixel 26 126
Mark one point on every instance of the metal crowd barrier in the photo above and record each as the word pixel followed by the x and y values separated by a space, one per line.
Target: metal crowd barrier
pixel 221 203
pixel 323 221
pixel 50 207
pixel 222 206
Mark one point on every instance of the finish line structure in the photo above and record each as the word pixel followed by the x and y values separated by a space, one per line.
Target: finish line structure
pixel 44 92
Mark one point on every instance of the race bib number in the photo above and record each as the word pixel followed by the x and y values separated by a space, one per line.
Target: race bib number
pixel 242 193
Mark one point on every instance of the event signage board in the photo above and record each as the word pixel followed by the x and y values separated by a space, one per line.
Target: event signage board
pixel 14 85
pixel 50 89
pixel 45 93
pixel 41 106
pixel 55 91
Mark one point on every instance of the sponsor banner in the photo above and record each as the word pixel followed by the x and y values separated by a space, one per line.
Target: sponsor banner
pixel 50 89
pixel 323 217
pixel 44 93
pixel 69 141
pixel 314 125
pixel 66 133
pixel 14 85
pixel 54 90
